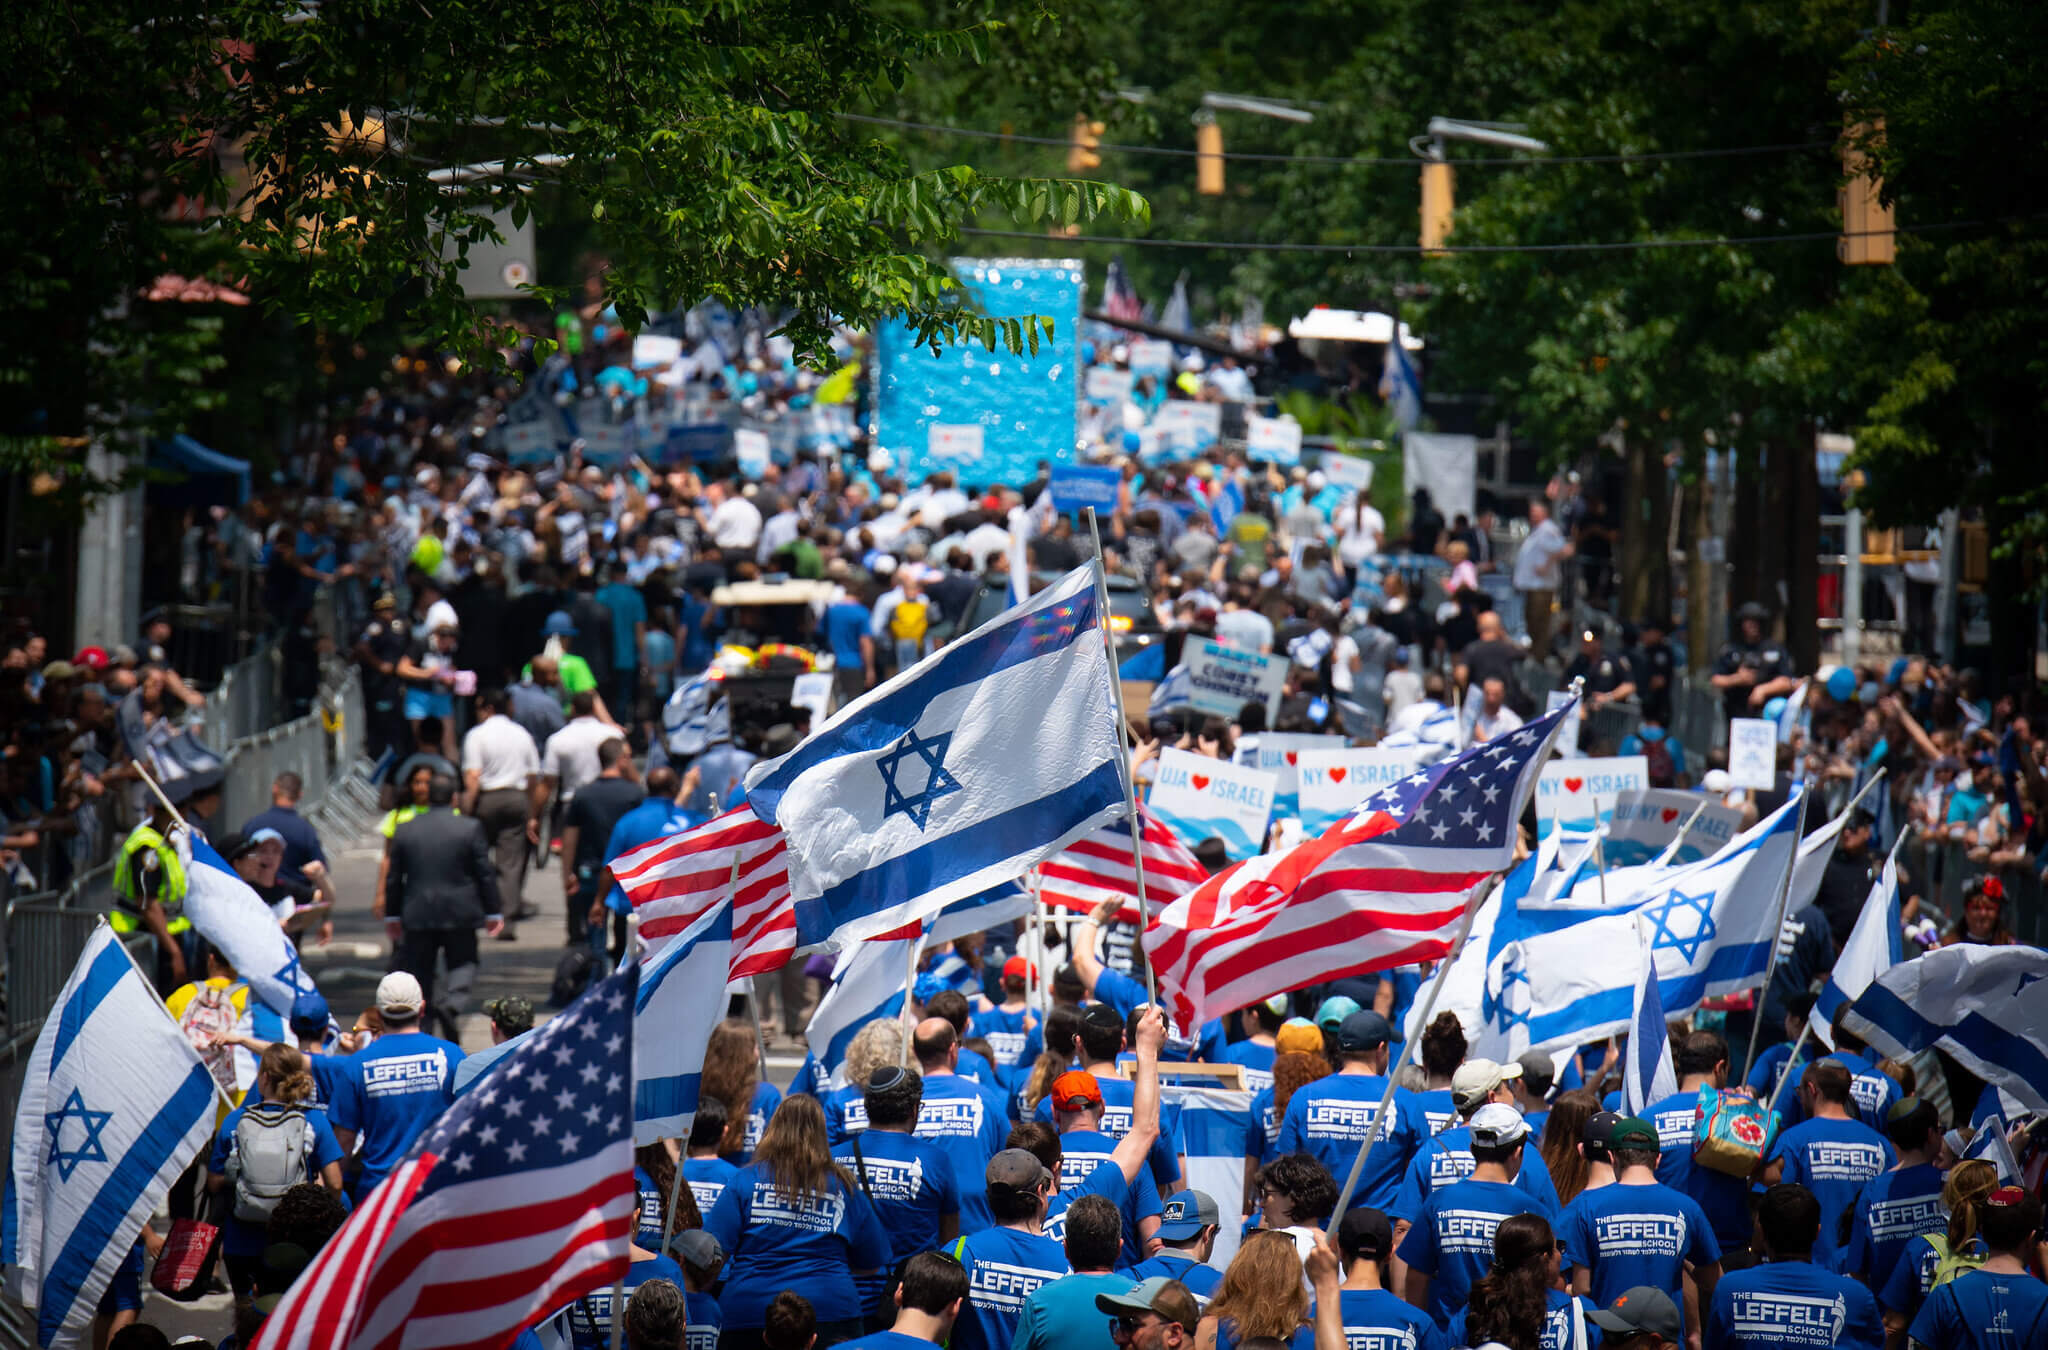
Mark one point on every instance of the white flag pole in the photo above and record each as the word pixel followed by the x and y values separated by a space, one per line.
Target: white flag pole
pixel 1123 756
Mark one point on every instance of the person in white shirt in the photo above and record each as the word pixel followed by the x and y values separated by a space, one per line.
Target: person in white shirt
pixel 1495 717
pixel 500 769
pixel 733 522
pixel 1402 686
pixel 1537 577
pixel 570 759
pixel 1360 531
pixel 779 529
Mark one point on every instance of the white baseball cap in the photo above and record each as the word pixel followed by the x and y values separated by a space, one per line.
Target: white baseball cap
pixel 399 995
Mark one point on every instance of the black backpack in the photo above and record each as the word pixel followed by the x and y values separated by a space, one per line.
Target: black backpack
pixel 572 976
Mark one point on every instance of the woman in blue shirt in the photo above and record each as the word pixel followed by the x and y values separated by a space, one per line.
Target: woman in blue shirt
pixel 654 1177
pixel 732 1073
pixel 1261 1295
pixel 244 1161
pixel 794 1219
pixel 1517 1301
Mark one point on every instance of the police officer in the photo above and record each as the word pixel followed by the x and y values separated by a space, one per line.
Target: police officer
pixel 1656 668
pixel 1608 677
pixel 377 651
pixel 149 883
pixel 1751 671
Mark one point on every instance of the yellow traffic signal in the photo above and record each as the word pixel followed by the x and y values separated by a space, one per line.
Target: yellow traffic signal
pixel 1209 158
pixel 1437 193
pixel 1081 155
pixel 1867 236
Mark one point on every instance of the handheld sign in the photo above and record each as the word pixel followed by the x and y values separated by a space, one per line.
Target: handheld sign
pixel 1107 384
pixel 1753 753
pixel 1223 679
pixel 1644 823
pixel 1149 356
pixel 1189 427
pixel 1334 782
pixel 1074 486
pixel 1203 798
pixel 1579 794
pixel 1276 440
pixel 1276 752
pixel 955 443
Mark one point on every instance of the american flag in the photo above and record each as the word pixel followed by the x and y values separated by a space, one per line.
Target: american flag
pixel 1383 887
pixel 1119 297
pixel 518 1199
pixel 674 880
pixel 1098 868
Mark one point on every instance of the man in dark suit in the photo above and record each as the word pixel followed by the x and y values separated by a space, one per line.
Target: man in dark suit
pixel 441 888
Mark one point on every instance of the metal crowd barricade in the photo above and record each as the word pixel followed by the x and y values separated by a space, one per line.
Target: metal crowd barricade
pixel 1608 725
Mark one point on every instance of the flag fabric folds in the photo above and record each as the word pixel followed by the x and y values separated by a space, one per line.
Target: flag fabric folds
pixel 868 984
pixel 1990 1144
pixel 1875 945
pixel 674 881
pixel 1648 1074
pixel 114 1104
pixel 1987 1006
pixel 985 757
pixel 229 914
pixel 1386 886
pixel 517 1200
pixel 1098 868
pixel 680 999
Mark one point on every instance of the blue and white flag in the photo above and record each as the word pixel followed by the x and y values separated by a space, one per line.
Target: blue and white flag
pixel 1213 1124
pixel 989 755
pixel 978 913
pixel 1712 926
pixel 680 999
pixel 1875 945
pixel 689 720
pixel 1647 1075
pixel 1986 1006
pixel 113 1107
pixel 229 914
pixel 1177 690
pixel 1990 1144
pixel 868 984
pixel 1400 386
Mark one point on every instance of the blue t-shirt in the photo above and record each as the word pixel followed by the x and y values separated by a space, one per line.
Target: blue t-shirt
pixel 846 623
pixel 1119 991
pixel 1724 1198
pixel 1262 1139
pixel 1871 1090
pixel 912 1185
pixel 652 819
pixel 766 1098
pixel 1004 1266
pixel 703 1321
pixel 1792 1305
pixel 1062 1315
pixel 301 840
pixel 1981 1310
pixel 1257 1061
pixel 707 1179
pixel 1913 1276
pixel 1119 1101
pixel 400 1084
pixel 647 1225
pixel 628 608
pixel 1375 1320
pixel 590 1317
pixel 1086 1169
pixel 1438 1109
pixel 1451 1240
pixel 886 1340
pixel 1768 1073
pixel 329 1072
pixel 1331 1117
pixel 846 1113
pixel 1304 1337
pixel 776 1241
pixel 1202 1281
pixel 1557 1323
pixel 1893 1210
pixel 969 1126
pixel 1834 1159
pixel 1627 1235
pixel 1016 1038
pixel 1448 1158
pixel 239 1238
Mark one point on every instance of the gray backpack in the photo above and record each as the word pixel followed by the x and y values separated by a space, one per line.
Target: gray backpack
pixel 268 1158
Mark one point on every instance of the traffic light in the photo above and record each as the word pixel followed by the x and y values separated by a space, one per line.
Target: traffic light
pixel 1209 158
pixel 1081 156
pixel 1436 204
pixel 1867 236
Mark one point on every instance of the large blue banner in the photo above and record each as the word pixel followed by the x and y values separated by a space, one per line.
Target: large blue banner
pixel 987 417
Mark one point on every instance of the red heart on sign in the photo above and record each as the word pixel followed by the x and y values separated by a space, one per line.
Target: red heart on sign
pixel 1293 755
pixel 1337 775
pixel 1574 784
pixel 1670 815
pixel 1201 783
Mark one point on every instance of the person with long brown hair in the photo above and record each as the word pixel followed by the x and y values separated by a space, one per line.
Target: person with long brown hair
pixel 794 1219
pixel 1443 1050
pixel 1062 1042
pixel 1261 1295
pixel 1563 1128
pixel 732 1073
pixel 1517 1300
pixel 654 1177
pixel 1968 1186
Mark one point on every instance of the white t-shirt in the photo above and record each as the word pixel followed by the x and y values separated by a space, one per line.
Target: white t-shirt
pixel 736 524
pixel 1358 539
pixel 1536 564
pixel 1491 727
pixel 1341 658
pixel 501 752
pixel 572 753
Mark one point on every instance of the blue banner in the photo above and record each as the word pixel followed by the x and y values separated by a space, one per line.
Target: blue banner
pixel 1074 486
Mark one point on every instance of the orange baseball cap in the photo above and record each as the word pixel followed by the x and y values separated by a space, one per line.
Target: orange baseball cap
pixel 1017 967
pixel 1075 1089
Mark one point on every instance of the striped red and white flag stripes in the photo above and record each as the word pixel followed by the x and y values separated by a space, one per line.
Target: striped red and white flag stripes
pixel 1098 868
pixel 673 881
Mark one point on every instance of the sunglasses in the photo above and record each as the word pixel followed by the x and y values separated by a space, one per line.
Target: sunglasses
pixel 1124 1327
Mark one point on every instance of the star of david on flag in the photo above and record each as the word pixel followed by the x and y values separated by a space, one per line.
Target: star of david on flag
pixel 912 789
pixel 91 1125
pixel 1683 923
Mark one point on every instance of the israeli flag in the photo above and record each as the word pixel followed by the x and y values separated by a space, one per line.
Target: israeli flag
pixel 989 755
pixel 229 914
pixel 867 985
pixel 680 999
pixel 978 913
pixel 1986 1006
pixel 1875 945
pixel 1648 1074
pixel 1712 927
pixel 689 721
pixel 1992 1146
pixel 1177 690
pixel 113 1107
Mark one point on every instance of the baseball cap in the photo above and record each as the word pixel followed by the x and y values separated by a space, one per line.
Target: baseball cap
pixel 1075 1089
pixel 1599 1129
pixel 1333 1010
pixel 1363 1030
pixel 399 995
pixel 94 657
pixel 1015 1169
pixel 262 836
pixel 697 1249
pixel 124 655
pixel 1496 1125
pixel 512 1014
pixel 1298 1035
pixel 59 670
pixel 1476 1080
pixel 1161 1295
pixel 1643 1308
pixel 309 1012
pixel 1018 968
pixel 559 624
pixel 1187 1213
pixel 1364 1231
pixel 1633 1132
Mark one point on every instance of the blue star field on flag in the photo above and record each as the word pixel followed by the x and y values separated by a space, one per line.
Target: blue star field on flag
pixel 1463 803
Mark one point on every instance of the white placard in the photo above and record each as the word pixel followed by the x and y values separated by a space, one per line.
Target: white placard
pixel 1203 798
pixel 1224 679
pixel 1107 384
pixel 813 690
pixel 529 441
pixel 1277 753
pixel 1346 472
pixel 609 442
pixel 1151 357
pixel 1567 743
pixel 652 351
pixel 1644 824
pixel 1188 426
pixel 1753 753
pixel 750 448
pixel 1579 794
pixel 1274 439
pixel 960 442
pixel 1334 782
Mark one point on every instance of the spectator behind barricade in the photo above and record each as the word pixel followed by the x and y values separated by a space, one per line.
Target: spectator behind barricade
pixel 301 840
pixel 1983 915
pixel 1538 578
pixel 1752 670
pixel 427 670
pixel 1607 676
